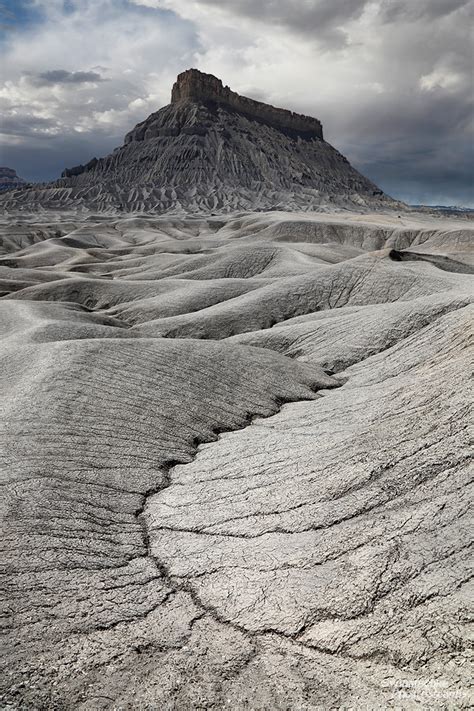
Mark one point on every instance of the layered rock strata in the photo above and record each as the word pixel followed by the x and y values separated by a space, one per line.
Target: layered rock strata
pixel 195 86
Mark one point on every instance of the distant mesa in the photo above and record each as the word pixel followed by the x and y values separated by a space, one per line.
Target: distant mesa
pixel 9 179
pixel 212 150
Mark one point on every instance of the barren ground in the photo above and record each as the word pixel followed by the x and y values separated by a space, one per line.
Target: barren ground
pixel 236 461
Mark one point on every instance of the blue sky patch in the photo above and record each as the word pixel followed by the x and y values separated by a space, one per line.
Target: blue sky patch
pixel 18 15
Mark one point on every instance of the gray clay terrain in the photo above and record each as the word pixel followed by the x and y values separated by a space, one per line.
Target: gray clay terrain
pixel 235 451
pixel 236 462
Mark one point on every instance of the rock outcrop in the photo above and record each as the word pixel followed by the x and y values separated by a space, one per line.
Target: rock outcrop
pixel 78 169
pixel 9 179
pixel 212 150
pixel 193 85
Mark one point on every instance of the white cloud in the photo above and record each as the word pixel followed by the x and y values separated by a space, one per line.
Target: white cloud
pixel 441 78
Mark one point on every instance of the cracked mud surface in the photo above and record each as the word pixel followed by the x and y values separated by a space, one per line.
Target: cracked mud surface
pixel 236 462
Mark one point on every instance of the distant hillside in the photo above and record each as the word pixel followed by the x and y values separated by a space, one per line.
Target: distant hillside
pixel 9 179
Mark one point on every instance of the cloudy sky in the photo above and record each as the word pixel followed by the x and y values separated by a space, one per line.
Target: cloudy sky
pixel 391 80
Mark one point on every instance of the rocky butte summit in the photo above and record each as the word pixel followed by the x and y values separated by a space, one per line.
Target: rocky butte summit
pixel 212 150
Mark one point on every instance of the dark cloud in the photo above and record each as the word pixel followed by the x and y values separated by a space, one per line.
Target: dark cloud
pixel 416 146
pixel 416 168
pixel 61 76
pixel 406 10
pixel 27 126
pixel 42 161
pixel 319 19
pixel 319 16
pixel 424 175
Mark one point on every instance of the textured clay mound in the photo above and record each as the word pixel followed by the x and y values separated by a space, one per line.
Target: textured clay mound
pixel 95 293
pixel 243 262
pixel 41 322
pixel 268 508
pixel 368 279
pixel 186 297
pixel 337 339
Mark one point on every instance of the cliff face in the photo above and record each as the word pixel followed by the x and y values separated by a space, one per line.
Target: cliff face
pixel 213 150
pixel 193 85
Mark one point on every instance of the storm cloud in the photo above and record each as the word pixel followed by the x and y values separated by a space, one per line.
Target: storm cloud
pixel 320 20
pixel 62 76
pixel 391 80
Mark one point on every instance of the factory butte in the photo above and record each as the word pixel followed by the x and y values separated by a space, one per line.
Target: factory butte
pixel 211 149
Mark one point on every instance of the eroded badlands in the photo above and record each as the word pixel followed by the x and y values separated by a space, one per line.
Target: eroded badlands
pixel 236 461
